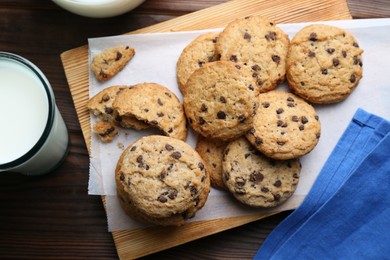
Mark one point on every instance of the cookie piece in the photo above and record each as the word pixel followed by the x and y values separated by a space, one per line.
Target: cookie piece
pixel 101 106
pixel 109 62
pixel 257 180
pixel 219 101
pixel 212 153
pixel 200 51
pixel 285 126
pixel 324 64
pixel 155 105
pixel 260 44
pixel 105 130
pixel 161 180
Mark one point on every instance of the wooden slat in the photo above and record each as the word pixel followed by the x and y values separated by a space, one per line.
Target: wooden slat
pixel 137 243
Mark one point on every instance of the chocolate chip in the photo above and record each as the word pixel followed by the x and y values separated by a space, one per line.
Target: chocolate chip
pixel 237 67
pixel 247 155
pixel 276 59
pixel 304 120
pixel 281 143
pixel 352 79
pixel 222 99
pixel 160 102
pixel 313 37
pixel 270 36
pixel 256 176
pixel 302 83
pixel 103 74
pixel 201 166
pixel 168 94
pixel 278 183
pixel 265 104
pixel 256 67
pixel 294 118
pixel 160 114
pixel 176 155
pixel 221 115
pixel 344 53
pixel 203 108
pixel 335 62
pixel 193 190
pixel 162 199
pixel 247 36
pixel 215 40
pixel 330 50
pixel 170 130
pixel 355 44
pixel 172 194
pixel 133 148
pixel 258 141
pixel 324 71
pixel 163 174
pixel 312 54
pixel 251 87
pixel 122 176
pixel 139 159
pixel 264 189
pixel 201 121
pixel 279 111
pixel 201 63
pixel 252 131
pixel 276 197
pixel 169 147
pixel 233 58
pixel 118 56
pixel 301 127
pixel 290 104
pixel 290 99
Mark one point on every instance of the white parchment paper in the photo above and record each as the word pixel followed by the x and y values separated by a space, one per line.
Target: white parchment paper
pixel 155 61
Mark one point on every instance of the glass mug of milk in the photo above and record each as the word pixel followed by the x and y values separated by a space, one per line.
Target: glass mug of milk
pixel 34 139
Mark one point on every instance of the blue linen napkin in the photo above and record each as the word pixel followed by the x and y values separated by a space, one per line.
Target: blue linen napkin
pixel 347 211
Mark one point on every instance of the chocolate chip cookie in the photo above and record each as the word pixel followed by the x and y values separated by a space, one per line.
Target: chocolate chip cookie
pixel 219 101
pixel 257 180
pixel 258 43
pixel 154 105
pixel 324 64
pixel 285 126
pixel 109 62
pixel 199 52
pixel 161 180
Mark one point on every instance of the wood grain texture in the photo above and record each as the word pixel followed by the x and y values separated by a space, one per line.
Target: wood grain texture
pixel 141 242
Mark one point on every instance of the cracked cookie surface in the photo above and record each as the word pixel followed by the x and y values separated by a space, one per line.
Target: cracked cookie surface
pixel 285 126
pixel 324 64
pixel 161 180
pixel 257 180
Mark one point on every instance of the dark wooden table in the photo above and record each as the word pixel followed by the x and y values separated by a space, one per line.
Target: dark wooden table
pixel 52 216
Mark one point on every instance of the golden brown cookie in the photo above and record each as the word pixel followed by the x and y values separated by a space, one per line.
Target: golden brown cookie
pixel 199 52
pixel 109 62
pixel 105 130
pixel 161 180
pixel 257 180
pixel 285 126
pixel 324 64
pixel 258 43
pixel 212 153
pixel 219 101
pixel 154 105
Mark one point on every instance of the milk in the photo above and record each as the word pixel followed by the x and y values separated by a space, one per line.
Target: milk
pixel 33 135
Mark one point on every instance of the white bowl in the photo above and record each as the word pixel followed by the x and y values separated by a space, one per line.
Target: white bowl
pixel 99 8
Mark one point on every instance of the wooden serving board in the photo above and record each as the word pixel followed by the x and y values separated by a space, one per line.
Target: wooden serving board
pixel 140 242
